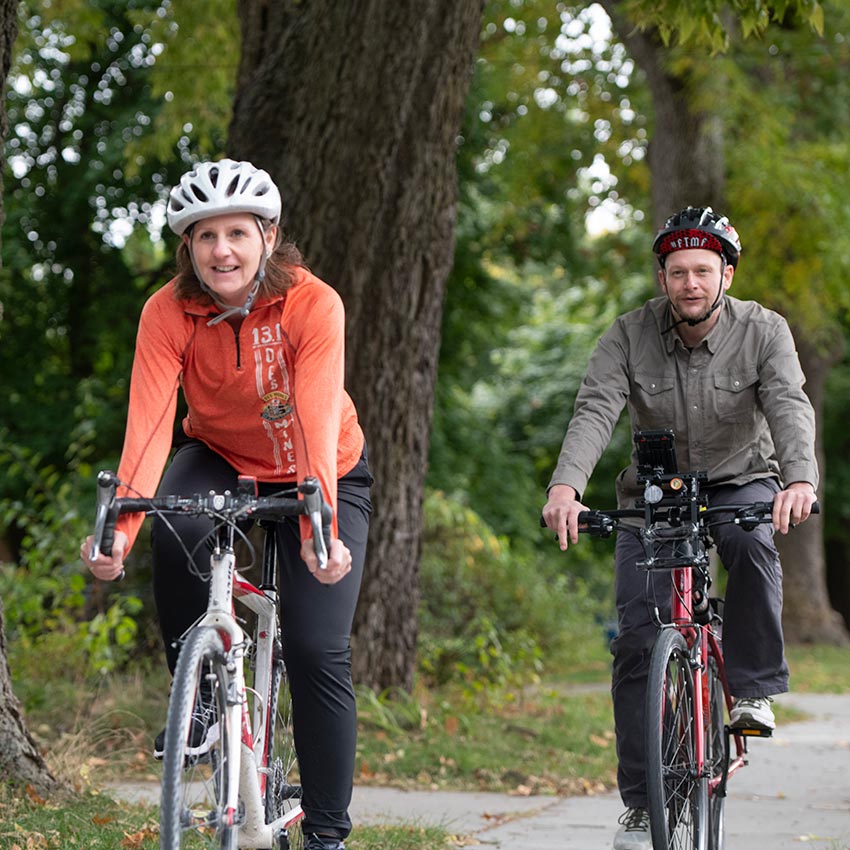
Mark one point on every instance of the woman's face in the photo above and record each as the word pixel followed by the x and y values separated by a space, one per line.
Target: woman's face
pixel 227 251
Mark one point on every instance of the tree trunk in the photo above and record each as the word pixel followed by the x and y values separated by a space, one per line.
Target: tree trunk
pixel 355 108
pixel 807 615
pixel 8 34
pixel 685 152
pixel 20 760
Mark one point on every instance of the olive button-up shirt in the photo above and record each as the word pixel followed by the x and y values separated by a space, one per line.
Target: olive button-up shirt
pixel 735 401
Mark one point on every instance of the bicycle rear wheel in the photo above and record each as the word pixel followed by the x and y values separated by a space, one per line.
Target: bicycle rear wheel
pixel 715 755
pixel 283 791
pixel 678 795
pixel 195 771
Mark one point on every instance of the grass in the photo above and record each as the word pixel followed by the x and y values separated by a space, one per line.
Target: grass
pixel 551 738
pixel 92 821
pixel 819 669
pixel 543 743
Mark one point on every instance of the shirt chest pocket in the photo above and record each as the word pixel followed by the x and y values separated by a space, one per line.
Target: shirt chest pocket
pixel 652 400
pixel 735 396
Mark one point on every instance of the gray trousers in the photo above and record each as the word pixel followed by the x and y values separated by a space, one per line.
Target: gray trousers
pixel 753 645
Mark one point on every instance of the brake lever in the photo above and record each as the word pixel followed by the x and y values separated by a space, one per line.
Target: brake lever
pixel 321 517
pixel 107 483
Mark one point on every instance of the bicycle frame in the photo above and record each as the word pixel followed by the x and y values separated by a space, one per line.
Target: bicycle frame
pixel 703 643
pixel 240 803
pixel 701 640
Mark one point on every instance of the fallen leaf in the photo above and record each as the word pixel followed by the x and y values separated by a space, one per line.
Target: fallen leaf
pixel 34 795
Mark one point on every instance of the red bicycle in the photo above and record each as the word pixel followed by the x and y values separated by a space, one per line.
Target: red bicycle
pixel 691 750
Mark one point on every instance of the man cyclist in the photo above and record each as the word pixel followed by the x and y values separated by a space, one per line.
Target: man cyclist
pixel 723 374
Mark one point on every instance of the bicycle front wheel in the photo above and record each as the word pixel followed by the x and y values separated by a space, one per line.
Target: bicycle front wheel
pixel 195 770
pixel 678 794
pixel 283 791
pixel 715 755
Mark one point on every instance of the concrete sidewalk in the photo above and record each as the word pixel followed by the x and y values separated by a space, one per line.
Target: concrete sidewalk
pixel 795 791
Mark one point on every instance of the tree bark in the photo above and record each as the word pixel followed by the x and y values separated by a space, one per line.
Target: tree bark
pixel 355 108
pixel 685 152
pixel 8 34
pixel 20 761
pixel 807 614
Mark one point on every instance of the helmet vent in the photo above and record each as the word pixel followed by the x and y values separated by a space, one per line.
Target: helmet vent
pixel 231 189
pixel 199 193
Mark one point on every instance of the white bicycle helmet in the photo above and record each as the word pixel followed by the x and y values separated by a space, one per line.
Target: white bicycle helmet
pixel 216 188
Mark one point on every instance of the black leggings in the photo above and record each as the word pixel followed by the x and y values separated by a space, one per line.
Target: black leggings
pixel 316 622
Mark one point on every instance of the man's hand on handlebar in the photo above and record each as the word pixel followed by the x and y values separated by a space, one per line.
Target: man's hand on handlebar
pixel 561 514
pixel 792 505
pixel 106 567
pixel 339 561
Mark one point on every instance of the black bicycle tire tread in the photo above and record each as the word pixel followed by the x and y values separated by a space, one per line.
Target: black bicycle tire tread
pixel 200 643
pixel 669 641
pixel 716 713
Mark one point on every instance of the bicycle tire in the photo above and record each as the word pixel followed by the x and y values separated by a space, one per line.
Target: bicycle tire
pixel 283 791
pixel 677 794
pixel 194 787
pixel 715 754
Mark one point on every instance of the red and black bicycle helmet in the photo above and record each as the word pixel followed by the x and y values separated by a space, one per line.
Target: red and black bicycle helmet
pixel 698 227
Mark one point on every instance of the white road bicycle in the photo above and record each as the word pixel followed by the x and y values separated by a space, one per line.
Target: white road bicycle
pixel 229 772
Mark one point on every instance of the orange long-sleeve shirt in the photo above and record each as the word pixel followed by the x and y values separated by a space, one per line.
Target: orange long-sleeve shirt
pixel 269 398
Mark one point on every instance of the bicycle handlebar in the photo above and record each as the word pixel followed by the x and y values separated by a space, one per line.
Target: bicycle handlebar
pixel 225 506
pixel 748 516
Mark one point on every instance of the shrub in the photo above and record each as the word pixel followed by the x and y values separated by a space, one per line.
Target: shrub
pixel 48 602
pixel 490 616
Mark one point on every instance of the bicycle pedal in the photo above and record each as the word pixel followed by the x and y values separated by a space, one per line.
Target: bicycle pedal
pixel 750 731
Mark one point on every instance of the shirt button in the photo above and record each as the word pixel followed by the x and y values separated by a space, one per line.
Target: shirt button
pixel 737 383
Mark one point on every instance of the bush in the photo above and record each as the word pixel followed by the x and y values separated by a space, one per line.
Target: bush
pixel 492 617
pixel 47 599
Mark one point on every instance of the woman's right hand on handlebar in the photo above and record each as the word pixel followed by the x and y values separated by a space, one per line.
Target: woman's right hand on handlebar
pixel 339 561
pixel 561 512
pixel 106 567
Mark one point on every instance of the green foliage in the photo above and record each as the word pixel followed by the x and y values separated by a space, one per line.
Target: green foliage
pixel 491 617
pixel 48 610
pixel 84 208
pixel 706 23
pixel 551 103
pixel 789 173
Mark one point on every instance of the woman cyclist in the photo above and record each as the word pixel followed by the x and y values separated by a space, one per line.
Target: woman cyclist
pixel 257 344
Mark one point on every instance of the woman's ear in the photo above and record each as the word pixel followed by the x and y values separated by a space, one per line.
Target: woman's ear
pixel 270 236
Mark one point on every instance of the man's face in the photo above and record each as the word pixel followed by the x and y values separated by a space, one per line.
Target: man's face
pixel 691 279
